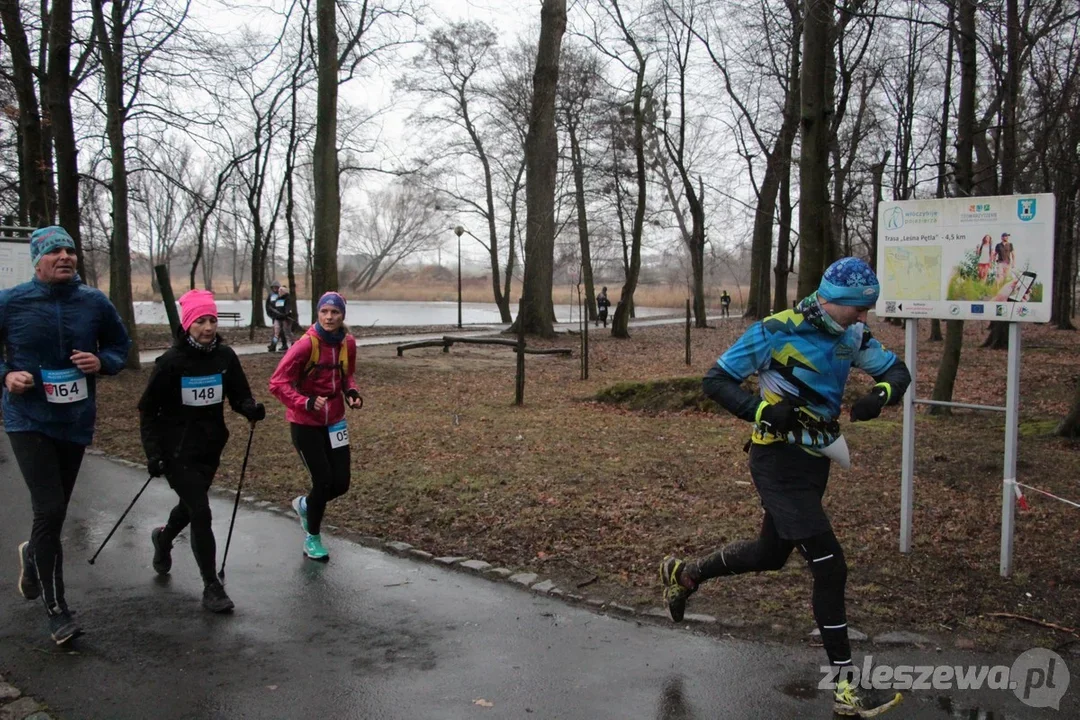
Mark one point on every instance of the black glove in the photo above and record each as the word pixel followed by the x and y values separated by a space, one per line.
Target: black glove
pixel 779 419
pixel 255 411
pixel 156 467
pixel 869 405
pixel 354 394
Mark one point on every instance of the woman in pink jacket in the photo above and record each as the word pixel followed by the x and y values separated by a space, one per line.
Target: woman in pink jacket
pixel 314 381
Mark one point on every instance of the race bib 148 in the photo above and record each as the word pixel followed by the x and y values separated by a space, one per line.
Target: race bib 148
pixel 202 390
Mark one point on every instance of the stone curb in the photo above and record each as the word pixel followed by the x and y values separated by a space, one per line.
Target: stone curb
pixel 16 706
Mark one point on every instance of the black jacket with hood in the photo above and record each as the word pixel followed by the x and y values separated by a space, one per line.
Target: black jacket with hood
pixel 191 435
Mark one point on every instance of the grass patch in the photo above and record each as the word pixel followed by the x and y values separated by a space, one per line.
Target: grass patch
pixel 673 394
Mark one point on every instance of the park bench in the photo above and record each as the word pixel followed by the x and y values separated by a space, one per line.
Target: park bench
pixel 234 316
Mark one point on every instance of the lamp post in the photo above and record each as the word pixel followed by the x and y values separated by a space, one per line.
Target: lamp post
pixel 459 231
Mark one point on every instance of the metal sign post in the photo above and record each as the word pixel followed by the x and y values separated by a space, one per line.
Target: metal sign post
pixel 1012 431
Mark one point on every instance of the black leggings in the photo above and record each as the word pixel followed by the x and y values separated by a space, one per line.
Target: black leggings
pixel 191 485
pixel 769 551
pixel 329 468
pixel 49 467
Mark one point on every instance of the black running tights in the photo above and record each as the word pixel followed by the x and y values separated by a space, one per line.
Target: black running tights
pixel 191 485
pixel 49 467
pixel 329 467
pixel 769 551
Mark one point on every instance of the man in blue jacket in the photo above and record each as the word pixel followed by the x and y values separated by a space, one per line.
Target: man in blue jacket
pixel 57 335
pixel 802 358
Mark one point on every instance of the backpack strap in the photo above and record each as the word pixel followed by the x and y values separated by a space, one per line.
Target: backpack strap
pixel 313 359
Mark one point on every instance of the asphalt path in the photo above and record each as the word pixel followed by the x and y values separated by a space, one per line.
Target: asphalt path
pixel 374 636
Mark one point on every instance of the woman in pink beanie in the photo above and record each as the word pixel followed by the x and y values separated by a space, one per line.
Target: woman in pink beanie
pixel 182 420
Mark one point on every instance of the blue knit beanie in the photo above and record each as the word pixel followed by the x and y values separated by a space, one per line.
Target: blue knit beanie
pixel 849 281
pixel 45 240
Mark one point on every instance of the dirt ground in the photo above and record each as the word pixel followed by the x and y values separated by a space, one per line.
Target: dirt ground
pixel 594 494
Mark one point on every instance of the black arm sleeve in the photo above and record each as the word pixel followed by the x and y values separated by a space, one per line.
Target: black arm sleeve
pixel 150 427
pixel 898 378
pixel 237 388
pixel 727 392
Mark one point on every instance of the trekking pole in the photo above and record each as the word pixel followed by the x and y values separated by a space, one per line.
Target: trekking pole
pixel 236 503
pixel 121 519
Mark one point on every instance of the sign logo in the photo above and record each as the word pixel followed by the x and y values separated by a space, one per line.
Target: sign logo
pixel 979 208
pixel 1024 312
pixel 1025 209
pixel 954 309
pixel 999 311
pixel 977 309
pixel 894 219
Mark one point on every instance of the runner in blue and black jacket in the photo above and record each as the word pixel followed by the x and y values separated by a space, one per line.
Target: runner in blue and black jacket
pixel 57 336
pixel 802 358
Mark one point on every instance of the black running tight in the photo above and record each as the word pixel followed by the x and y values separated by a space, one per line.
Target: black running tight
pixel 49 467
pixel 769 551
pixel 191 485
pixel 329 468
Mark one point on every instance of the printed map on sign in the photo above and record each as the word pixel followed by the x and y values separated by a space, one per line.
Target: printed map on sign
pixel 912 273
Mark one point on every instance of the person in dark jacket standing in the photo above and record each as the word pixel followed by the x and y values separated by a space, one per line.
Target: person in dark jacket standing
pixel 57 335
pixel 314 381
pixel 270 306
pixel 602 305
pixel 182 421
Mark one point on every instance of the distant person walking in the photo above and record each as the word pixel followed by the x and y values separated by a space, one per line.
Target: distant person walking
pixel 602 305
pixel 58 335
pixel 271 308
pixel 725 304
pixel 314 381
pixel 283 320
pixel 182 422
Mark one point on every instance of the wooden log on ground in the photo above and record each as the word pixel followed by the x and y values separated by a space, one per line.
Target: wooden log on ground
pixel 448 340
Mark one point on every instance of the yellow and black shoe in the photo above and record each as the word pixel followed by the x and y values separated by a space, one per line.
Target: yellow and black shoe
pixel 850 701
pixel 675 593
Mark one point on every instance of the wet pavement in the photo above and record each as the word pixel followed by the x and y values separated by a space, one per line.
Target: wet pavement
pixel 373 636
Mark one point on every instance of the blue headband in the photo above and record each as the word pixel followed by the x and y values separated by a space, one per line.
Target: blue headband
pixel 44 240
pixel 849 281
pixel 332 299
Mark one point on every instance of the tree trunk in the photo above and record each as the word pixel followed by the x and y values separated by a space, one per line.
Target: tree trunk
pixel 537 314
pixel 814 215
pixel 998 338
pixel 111 50
pixel 327 221
pixel 34 183
pixel 63 127
pixel 620 322
pixel 578 164
pixel 965 129
pixel 783 243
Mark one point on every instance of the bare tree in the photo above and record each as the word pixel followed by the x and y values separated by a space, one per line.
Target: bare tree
pixel 450 72
pixel 121 73
pixel 398 222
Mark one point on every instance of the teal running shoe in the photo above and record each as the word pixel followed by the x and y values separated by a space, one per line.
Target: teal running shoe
pixel 314 549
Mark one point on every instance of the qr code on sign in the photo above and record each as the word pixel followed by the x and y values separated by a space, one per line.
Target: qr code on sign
pixel 890 307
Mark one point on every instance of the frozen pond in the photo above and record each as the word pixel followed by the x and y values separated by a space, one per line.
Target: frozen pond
pixel 386 313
